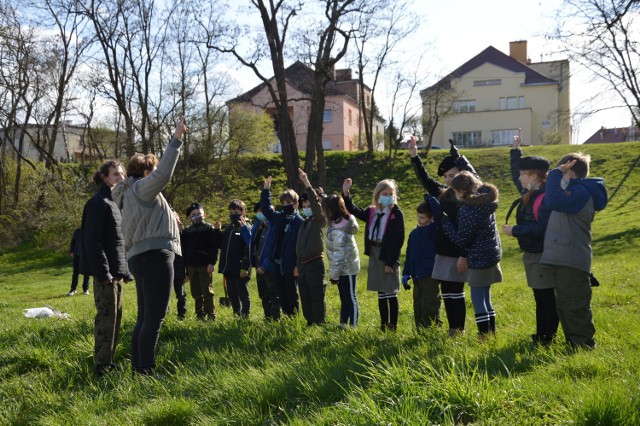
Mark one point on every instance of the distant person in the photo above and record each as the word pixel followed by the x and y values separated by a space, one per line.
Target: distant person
pixel 152 238
pixel 530 176
pixel 310 255
pixel 343 256
pixel 450 267
pixel 75 250
pixel 201 245
pixel 418 264
pixel 383 240
pixel 235 263
pixel 573 199
pixel 103 257
pixel 262 239
pixel 475 231
pixel 180 275
pixel 285 225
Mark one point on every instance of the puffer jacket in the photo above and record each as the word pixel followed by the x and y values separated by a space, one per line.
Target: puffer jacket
pixel 476 229
pixel 147 218
pixel 421 246
pixel 342 250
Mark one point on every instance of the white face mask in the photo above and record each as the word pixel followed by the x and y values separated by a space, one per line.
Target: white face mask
pixel 564 184
pixel 307 211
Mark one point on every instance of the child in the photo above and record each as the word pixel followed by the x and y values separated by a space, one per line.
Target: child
pixel 344 260
pixel 530 175
pixel 261 244
pixel 179 275
pixel 383 240
pixel 285 224
pixel 310 254
pixel 573 200
pixel 475 231
pixel 418 265
pixel 450 267
pixel 74 251
pixel 234 258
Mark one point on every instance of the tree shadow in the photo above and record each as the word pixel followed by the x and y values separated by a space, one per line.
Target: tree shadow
pixel 626 176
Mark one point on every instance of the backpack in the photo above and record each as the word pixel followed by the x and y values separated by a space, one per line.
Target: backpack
pixel 536 206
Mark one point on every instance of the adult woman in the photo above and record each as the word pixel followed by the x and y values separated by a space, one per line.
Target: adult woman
pixel 151 239
pixel 450 267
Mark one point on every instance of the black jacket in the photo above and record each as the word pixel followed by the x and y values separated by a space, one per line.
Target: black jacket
pixel 448 203
pixel 200 244
pixel 103 255
pixel 234 252
pixel 393 237
pixel 76 242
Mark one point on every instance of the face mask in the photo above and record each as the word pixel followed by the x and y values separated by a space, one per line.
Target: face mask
pixel 196 219
pixel 288 209
pixel 386 200
pixel 307 211
pixel 564 184
pixel 235 217
pixel 260 216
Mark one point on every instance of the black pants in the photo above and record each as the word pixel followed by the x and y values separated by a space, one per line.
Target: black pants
pixel 546 313
pixel 312 291
pixel 153 271
pixel 454 304
pixel 288 293
pixel 76 273
pixel 238 290
pixel 268 292
pixel 181 297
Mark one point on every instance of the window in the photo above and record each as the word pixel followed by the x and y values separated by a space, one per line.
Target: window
pixel 464 106
pixel 511 102
pixel 473 138
pixel 326 145
pixel 495 82
pixel 350 121
pixel 328 116
pixel 502 137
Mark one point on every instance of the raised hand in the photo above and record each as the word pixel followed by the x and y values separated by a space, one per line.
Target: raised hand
pixel 181 128
pixel 267 183
pixel 412 146
pixel 303 178
pixel 453 151
pixel 516 142
pixel 346 186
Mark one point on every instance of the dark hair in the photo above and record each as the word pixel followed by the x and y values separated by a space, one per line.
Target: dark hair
pixel 334 207
pixel 466 182
pixel 237 204
pixel 140 163
pixel 425 208
pixel 581 167
pixel 289 195
pixel 103 171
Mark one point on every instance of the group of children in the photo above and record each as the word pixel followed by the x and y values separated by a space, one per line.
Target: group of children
pixel 456 241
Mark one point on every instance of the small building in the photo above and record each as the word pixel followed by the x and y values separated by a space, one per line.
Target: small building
pixel 343 122
pixel 493 97
pixel 614 135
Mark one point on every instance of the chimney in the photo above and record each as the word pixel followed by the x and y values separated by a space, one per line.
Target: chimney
pixel 344 74
pixel 518 51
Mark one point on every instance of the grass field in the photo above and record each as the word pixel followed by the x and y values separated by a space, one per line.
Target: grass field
pixel 252 372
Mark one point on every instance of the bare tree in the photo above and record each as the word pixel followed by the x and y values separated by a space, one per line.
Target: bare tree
pixel 380 32
pixel 602 36
pixel 437 104
pixel 275 18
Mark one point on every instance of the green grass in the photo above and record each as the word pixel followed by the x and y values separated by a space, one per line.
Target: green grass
pixel 252 372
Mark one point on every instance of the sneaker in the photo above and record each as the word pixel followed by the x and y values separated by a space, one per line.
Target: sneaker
pixel 86 292
pixel 71 293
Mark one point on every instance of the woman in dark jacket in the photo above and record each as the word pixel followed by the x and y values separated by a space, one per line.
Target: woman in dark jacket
pixel 475 231
pixel 103 257
pixel 530 175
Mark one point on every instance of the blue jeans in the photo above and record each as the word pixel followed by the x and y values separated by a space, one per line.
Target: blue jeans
pixel 349 308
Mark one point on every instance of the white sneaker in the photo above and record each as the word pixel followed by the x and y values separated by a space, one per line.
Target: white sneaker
pixel 71 293
pixel 343 326
pixel 86 292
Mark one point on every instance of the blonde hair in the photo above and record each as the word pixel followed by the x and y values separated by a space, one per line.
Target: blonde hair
pixel 383 185
pixel 289 195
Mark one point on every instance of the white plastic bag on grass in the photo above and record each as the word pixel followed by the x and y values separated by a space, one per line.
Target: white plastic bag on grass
pixel 45 312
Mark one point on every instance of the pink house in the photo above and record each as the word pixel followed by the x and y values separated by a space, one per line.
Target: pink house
pixel 343 123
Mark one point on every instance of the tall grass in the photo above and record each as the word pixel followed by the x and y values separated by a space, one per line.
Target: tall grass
pixel 255 372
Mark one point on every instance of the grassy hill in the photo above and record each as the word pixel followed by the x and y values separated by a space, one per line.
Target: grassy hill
pixel 252 372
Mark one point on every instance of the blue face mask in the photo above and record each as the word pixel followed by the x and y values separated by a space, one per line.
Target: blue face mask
pixel 386 200
pixel 307 211
pixel 197 219
pixel 260 216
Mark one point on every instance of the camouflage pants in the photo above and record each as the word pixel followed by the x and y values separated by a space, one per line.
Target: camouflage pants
pixel 108 300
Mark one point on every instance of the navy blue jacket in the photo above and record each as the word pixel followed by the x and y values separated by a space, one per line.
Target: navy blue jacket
pixel 291 224
pixel 421 247
pixel 476 229
pixel 234 250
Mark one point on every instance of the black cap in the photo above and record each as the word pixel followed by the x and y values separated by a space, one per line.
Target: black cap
pixel 447 164
pixel 534 162
pixel 256 207
pixel 192 207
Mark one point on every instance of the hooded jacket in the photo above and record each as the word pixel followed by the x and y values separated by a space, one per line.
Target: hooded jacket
pixel 342 250
pixel 475 229
pixel 568 237
pixel 421 246
pixel 147 219
pixel 309 245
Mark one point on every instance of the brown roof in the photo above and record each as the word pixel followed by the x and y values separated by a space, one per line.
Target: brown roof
pixel 616 134
pixel 494 56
